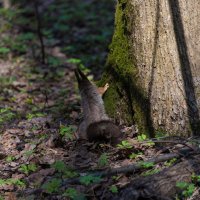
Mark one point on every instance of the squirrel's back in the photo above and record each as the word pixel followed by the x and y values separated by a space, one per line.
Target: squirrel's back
pixel 96 125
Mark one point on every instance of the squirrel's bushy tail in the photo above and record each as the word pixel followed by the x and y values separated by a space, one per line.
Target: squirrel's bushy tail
pixel 96 126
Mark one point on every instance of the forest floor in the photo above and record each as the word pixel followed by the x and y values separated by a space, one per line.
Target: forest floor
pixel 40 106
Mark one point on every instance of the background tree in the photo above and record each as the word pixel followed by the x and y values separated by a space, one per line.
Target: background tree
pixel 154 65
pixel 6 4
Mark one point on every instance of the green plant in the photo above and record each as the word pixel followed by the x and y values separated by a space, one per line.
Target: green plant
pixel 42 136
pixel 74 61
pixel 34 128
pixel 4 50
pixel 116 178
pixel 103 160
pixel 26 36
pixel 15 43
pixel 63 169
pixel 146 164
pixel 89 179
pixel 195 178
pixel 135 155
pixel 71 193
pixel 141 137
pixel 74 194
pixel 6 114
pixel 79 63
pixel 29 153
pixel 67 131
pixel 28 168
pixel 59 166
pixel 113 189
pixel 29 101
pixel 160 134
pixel 54 62
pixel 10 158
pixel 63 91
pixel 170 162
pixel 30 116
pixel 150 144
pixel 13 99
pixel 60 74
pixel 187 188
pixel 12 181
pixel 124 145
pixel 5 80
pixel 53 185
pixel 150 172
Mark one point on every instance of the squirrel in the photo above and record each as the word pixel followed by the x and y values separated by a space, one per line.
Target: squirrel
pixel 96 125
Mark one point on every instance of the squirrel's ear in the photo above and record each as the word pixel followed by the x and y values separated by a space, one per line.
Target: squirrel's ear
pixel 77 75
pixel 82 75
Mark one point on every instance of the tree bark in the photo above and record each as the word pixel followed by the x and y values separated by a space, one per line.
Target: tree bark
pixel 6 4
pixel 154 55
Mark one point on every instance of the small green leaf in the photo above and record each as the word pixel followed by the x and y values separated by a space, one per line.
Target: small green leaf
pixel 135 155
pixel 151 172
pixel 74 194
pixel 103 160
pixel 142 137
pixel 87 180
pixel 71 193
pixel 10 158
pixel 67 131
pixel 188 188
pixel 181 185
pixel 28 168
pixel 4 50
pixel 59 166
pixel 52 186
pixel 125 145
pixel 146 164
pixel 74 61
pixel 113 189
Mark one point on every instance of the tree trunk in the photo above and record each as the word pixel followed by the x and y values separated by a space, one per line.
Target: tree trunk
pixel 6 4
pixel 155 65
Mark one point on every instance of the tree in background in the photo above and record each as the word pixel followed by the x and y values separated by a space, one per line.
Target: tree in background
pixel 154 66
pixel 6 4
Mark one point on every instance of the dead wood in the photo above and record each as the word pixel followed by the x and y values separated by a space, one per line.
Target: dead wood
pixel 133 167
pixel 158 184
pixel 161 186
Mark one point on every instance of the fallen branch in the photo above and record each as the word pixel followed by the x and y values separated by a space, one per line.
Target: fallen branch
pixel 183 142
pixel 162 186
pixel 184 152
pixel 133 167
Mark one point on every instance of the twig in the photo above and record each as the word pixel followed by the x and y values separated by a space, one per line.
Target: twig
pixel 170 141
pixel 39 30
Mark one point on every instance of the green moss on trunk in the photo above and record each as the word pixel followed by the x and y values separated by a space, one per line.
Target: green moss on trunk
pixel 125 100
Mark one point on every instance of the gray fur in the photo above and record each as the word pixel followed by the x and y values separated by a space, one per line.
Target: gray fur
pixel 93 112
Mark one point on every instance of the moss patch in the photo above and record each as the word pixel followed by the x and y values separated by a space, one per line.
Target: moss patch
pixel 119 56
pixel 121 70
pixel 111 105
